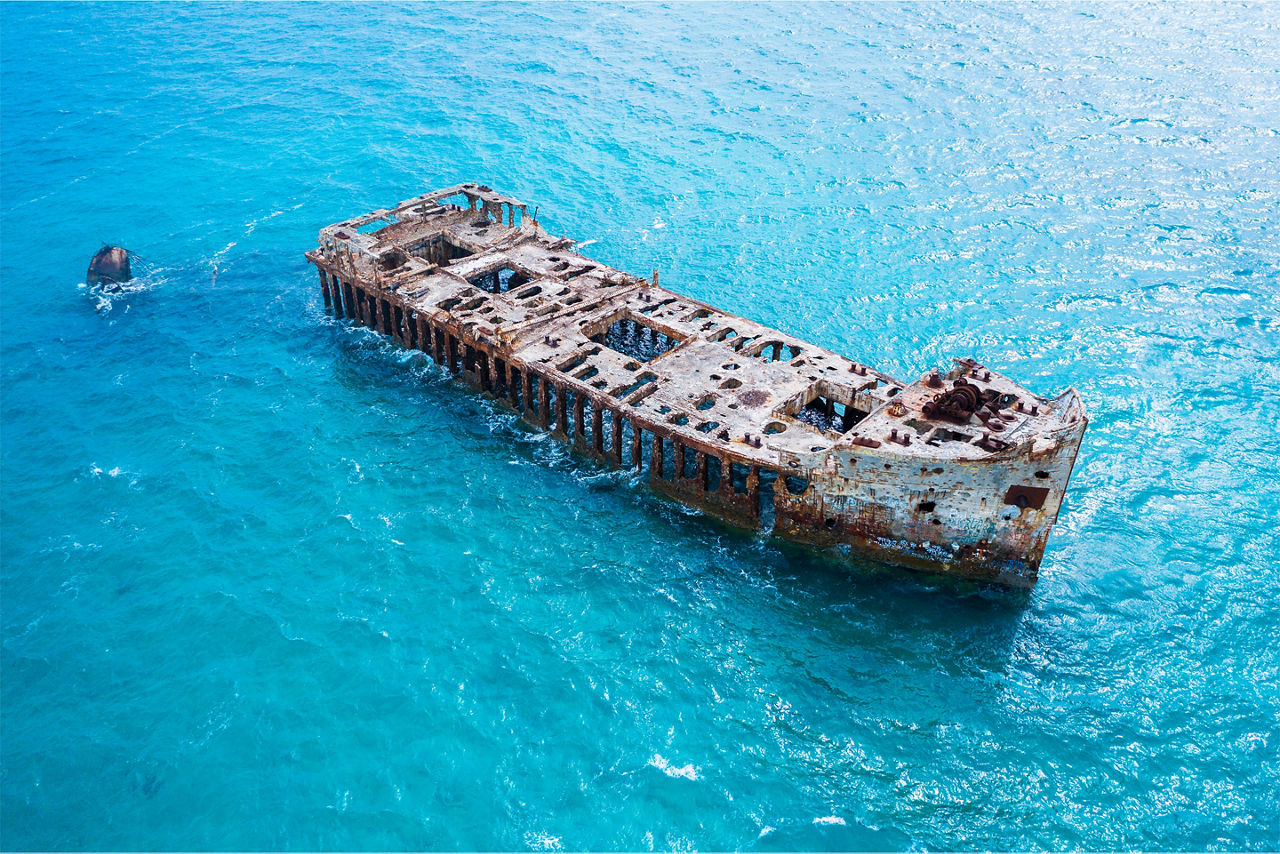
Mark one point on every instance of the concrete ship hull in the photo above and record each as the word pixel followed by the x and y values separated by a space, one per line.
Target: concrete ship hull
pixel 962 474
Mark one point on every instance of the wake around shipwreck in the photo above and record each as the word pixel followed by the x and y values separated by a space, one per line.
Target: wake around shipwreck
pixel 962 474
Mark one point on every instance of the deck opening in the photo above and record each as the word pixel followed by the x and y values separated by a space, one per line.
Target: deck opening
pixel 636 338
pixel 642 380
pixel 943 434
pixel 829 415
pixel 439 250
pixel 499 281
pixel 829 407
pixel 775 351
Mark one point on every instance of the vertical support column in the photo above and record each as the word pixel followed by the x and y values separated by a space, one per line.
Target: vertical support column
pixel 544 401
pixel 360 311
pixel 324 287
pixel 526 388
pixel 335 292
pixel 702 470
pixel 562 412
pixel 753 491
pixel 655 459
pixel 514 384
pixel 451 345
pixel 726 478
pixel 579 418
pixel 348 300
pixel 637 453
pixel 617 438
pixel 597 428
pixel 437 344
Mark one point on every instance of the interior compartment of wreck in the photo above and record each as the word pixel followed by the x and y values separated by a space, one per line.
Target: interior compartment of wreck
pixel 963 473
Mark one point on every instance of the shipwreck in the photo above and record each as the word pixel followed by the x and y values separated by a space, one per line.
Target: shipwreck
pixel 962 473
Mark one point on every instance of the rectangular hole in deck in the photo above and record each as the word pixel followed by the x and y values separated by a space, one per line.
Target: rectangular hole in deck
pixel 635 338
pixel 945 435
pixel 377 224
pixel 776 351
pixel 829 415
pixel 439 250
pixel 499 281
pixel 642 380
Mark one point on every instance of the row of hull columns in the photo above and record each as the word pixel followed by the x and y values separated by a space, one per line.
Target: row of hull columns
pixel 732 489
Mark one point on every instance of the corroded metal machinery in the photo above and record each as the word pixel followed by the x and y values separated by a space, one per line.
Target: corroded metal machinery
pixel 962 473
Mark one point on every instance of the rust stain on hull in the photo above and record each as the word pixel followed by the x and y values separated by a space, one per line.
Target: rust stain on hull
pixel 962 473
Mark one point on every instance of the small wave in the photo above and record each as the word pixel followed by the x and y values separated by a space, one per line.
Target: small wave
pixel 105 296
pixel 689 772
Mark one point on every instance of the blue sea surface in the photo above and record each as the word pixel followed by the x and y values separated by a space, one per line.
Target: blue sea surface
pixel 268 581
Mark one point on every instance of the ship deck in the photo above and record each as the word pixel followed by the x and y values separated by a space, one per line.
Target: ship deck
pixel 471 258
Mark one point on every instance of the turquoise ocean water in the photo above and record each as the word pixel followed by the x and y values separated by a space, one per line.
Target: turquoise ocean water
pixel 268 581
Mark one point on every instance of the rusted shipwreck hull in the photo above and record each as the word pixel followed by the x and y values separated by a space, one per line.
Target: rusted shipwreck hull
pixel 962 473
